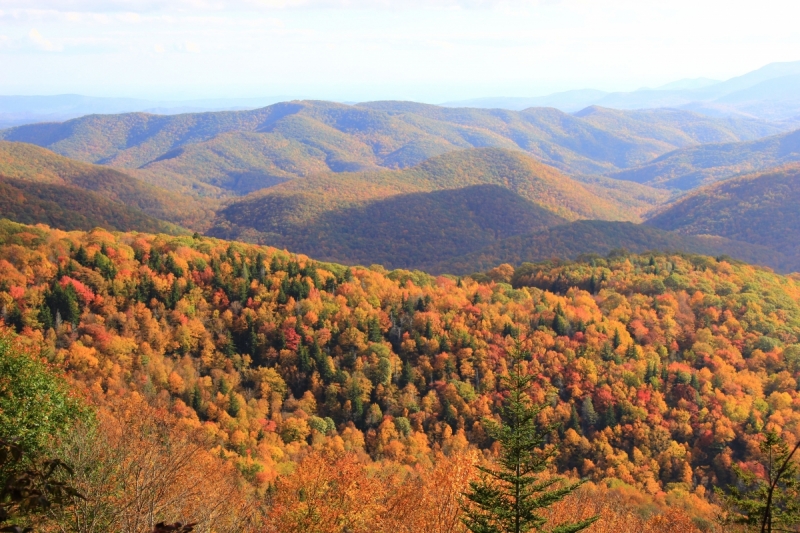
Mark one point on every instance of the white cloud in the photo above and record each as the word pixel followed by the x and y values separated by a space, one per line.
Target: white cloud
pixel 41 43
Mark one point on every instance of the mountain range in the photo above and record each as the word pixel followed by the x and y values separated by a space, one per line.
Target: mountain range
pixel 769 93
pixel 19 110
pixel 236 152
pixel 416 186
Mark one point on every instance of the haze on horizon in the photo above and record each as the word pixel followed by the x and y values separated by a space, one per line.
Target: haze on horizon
pixel 355 50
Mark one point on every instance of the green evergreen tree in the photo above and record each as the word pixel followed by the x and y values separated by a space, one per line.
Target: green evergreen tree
pixel 593 284
pixel 771 502
pixel 630 353
pixel 609 417
pixel 326 371
pixel 617 339
pixel 304 359
pixel 590 416
pixel 511 497
pixel 235 405
pixel 407 375
pixel 81 256
pixel 428 329
pixel 560 325
pixel 197 399
pixel 375 334
pixel 244 286
pixel 444 344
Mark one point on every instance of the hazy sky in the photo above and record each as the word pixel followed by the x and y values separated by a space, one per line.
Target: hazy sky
pixel 431 50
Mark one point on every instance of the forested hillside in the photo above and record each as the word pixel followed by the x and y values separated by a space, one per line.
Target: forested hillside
pixel 759 208
pixel 658 369
pixel 26 162
pixel 693 167
pixel 448 206
pixel 569 241
pixel 70 207
pixel 239 152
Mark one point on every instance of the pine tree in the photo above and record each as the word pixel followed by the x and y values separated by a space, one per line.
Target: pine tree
pixel 81 256
pixel 560 325
pixel 374 328
pixel 304 359
pixel 771 503
pixel 510 497
pixel 617 339
pixel 609 417
pixel 407 375
pixel 590 416
pixel 235 405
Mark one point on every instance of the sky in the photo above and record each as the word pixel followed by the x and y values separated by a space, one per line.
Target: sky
pixel 354 50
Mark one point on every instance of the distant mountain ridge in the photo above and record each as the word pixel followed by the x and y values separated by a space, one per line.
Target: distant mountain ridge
pixel 362 216
pixel 691 167
pixel 770 93
pixel 19 110
pixel 409 185
pixel 459 212
pixel 237 152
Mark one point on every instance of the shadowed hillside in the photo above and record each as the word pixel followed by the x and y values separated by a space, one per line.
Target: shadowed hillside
pixel 688 168
pixel 760 209
pixel 31 163
pixel 510 169
pixel 68 207
pixel 403 231
pixel 239 152
pixel 450 205
pixel 593 236
pixel 460 212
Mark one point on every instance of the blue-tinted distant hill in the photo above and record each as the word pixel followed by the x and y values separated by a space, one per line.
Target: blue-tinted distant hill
pixel 769 93
pixel 19 110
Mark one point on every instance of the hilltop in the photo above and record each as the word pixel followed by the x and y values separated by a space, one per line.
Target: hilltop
pixel 759 208
pixel 224 153
pixel 692 167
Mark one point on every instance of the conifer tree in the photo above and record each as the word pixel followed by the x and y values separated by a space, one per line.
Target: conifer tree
pixel 510 498
pixel 375 334
pixel 770 503
pixel 590 416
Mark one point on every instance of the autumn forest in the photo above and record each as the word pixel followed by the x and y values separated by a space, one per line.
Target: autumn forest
pixel 399 317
